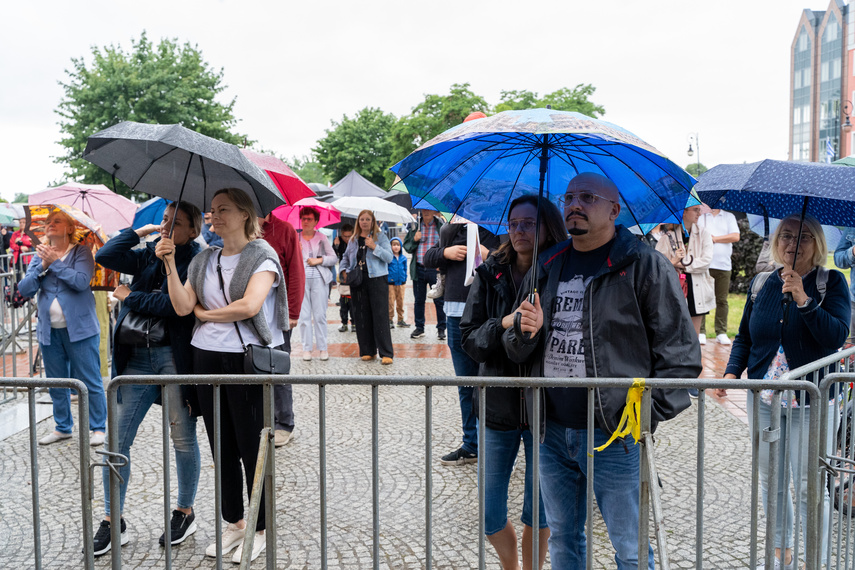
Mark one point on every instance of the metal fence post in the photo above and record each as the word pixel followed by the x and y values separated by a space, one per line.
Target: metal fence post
pixel 482 474
pixel 428 478
pixel 644 485
pixel 322 479
pixel 699 497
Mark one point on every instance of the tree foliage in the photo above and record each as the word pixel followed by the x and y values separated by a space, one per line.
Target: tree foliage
pixel 362 143
pixel 437 113
pixel 564 99
pixel 165 83
pixel 308 169
pixel 696 169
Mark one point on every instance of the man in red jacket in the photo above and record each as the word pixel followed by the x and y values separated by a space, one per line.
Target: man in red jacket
pixel 283 239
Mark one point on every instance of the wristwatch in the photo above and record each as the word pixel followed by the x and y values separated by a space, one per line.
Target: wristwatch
pixel 807 302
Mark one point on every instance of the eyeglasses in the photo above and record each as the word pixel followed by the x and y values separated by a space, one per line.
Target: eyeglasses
pixel 586 198
pixel 790 238
pixel 524 226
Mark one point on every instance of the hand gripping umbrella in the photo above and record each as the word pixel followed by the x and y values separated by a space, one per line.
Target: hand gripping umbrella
pixel 476 169
pixel 176 163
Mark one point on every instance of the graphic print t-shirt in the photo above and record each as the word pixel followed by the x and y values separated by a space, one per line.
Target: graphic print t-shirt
pixel 564 355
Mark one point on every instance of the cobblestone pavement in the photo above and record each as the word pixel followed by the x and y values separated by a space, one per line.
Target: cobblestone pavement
pixel 402 445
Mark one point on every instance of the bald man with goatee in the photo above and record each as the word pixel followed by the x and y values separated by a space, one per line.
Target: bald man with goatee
pixel 608 306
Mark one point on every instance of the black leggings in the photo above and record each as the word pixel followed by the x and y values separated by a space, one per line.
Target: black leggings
pixel 242 418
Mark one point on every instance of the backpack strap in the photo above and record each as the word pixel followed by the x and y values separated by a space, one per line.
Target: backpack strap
pixel 757 284
pixel 821 283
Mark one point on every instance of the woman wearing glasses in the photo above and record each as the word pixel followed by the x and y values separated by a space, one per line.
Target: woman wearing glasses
pixel 489 311
pixel 777 335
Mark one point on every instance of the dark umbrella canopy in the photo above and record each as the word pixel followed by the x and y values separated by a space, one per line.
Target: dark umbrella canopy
pixel 174 162
pixel 780 187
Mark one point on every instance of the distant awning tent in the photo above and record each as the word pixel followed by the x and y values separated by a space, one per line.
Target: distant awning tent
pixel 354 184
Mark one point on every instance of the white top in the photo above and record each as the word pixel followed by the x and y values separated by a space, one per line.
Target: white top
pixel 722 224
pixel 222 337
pixel 57 317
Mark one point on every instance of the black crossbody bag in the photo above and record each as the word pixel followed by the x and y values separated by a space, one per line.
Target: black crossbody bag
pixel 257 359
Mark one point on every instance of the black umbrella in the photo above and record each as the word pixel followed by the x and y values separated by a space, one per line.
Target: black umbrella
pixel 176 163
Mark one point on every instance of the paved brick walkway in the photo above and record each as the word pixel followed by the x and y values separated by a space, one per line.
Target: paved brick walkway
pixel 349 479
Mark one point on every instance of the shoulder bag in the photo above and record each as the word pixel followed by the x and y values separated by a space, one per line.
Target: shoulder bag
pixel 353 278
pixel 137 329
pixel 257 359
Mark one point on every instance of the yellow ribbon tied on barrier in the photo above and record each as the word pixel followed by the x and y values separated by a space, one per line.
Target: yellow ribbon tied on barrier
pixel 630 421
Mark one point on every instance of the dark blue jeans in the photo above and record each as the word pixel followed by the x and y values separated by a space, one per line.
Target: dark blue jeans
pixel 425 277
pixel 464 366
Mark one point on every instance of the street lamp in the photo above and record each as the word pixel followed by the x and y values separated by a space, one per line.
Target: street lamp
pixel 847 110
pixel 693 140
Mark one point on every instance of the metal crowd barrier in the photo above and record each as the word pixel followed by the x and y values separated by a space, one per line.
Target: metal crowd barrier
pixel 17 329
pixel 83 444
pixel 842 466
pixel 649 490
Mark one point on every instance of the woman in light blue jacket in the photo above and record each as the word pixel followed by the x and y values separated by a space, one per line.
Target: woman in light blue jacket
pixel 370 252
pixel 68 330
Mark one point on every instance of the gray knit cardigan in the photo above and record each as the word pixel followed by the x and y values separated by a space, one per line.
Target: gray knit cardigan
pixel 252 256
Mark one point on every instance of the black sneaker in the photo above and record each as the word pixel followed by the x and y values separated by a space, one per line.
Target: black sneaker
pixel 352 328
pixel 459 457
pixel 181 526
pixel 391 324
pixel 403 325
pixel 342 328
pixel 102 537
pixel 418 333
pixel 440 334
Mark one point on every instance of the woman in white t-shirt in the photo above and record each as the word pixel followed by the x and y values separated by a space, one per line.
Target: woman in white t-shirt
pixel 235 293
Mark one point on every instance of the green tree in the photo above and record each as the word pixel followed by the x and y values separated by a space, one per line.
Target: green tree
pixel 564 99
pixel 165 83
pixel 308 168
pixel 362 143
pixel 21 198
pixel 696 169
pixel 437 113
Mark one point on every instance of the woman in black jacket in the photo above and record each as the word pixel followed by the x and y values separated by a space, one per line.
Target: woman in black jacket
pixel 167 353
pixel 489 311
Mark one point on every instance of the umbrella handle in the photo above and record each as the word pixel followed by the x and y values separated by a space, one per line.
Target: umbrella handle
pixel 518 328
pixel 687 263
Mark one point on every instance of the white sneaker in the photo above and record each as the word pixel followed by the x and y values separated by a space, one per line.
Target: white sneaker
pixel 258 545
pixel 778 566
pixel 96 438
pixel 325 355
pixel 231 538
pixel 723 339
pixel 702 338
pixel 53 437
pixel 307 356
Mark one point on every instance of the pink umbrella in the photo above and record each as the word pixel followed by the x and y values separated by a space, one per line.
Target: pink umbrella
pixel 291 214
pixel 289 184
pixel 112 211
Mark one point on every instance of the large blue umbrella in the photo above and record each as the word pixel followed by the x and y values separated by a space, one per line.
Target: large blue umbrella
pixel 475 170
pixel 150 212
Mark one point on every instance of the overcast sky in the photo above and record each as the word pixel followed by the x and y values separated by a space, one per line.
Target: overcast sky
pixel 662 69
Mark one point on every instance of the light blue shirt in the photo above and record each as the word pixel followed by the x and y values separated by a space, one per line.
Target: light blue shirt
pixel 377 259
pixel 67 282
pixel 843 257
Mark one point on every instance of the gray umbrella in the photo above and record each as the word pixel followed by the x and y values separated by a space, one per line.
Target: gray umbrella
pixel 176 163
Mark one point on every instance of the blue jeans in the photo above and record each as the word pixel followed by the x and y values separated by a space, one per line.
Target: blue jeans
pixel 80 360
pixel 464 366
pixel 563 480
pixel 500 456
pixel 796 433
pixel 136 399
pixel 424 277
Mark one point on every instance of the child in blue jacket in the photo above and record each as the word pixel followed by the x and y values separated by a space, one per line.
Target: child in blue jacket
pixel 397 279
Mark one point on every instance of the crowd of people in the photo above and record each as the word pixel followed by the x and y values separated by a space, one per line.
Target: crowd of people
pixel 607 304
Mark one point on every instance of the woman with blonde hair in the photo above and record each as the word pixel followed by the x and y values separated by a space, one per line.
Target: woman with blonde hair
pixel 369 251
pixel 68 331
pixel 238 288
pixel 778 334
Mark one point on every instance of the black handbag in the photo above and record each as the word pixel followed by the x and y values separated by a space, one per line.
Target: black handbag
pixel 257 359
pixel 137 329
pixel 353 278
